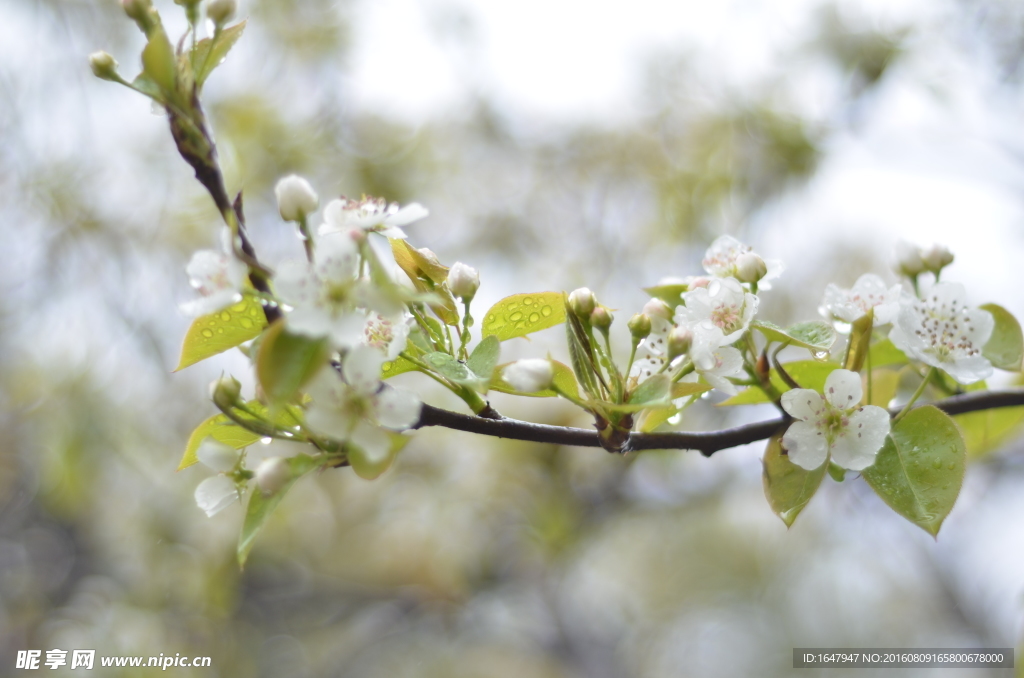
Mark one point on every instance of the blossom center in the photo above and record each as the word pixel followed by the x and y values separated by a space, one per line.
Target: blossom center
pixel 726 317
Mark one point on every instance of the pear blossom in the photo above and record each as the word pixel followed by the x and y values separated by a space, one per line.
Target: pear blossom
pixel 272 474
pixel 936 258
pixel 869 292
pixel 216 493
pixel 353 407
pixel 835 425
pixel 717 364
pixel 529 375
pixel 908 259
pixel 296 199
pixel 387 334
pixel 582 302
pixel 370 214
pixel 218 277
pixel 322 298
pixel 723 304
pixel 463 281
pixel 941 331
pixel 218 456
pixel 722 260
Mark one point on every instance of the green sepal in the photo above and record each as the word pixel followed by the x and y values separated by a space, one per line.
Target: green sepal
pixel 523 314
pixel 217 332
pixel 1005 348
pixel 787 487
pixel 836 472
pixel 286 362
pixel 919 470
pixel 262 505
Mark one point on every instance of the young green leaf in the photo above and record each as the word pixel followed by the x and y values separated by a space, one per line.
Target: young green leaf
pixel 655 391
pixel 426 276
pixel 159 64
pixel 787 487
pixel 223 430
pixel 860 340
pixel 451 369
pixel 484 358
pixel 217 332
pixel 261 505
pixel 397 366
pixel 815 335
pixel 523 314
pixel 919 470
pixel 286 362
pixel 1005 347
pixel 210 52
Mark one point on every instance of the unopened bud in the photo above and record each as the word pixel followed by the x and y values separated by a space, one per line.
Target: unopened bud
pixel 680 340
pixel 104 66
pixel 582 302
pixel 601 318
pixel 463 281
pixel 908 260
pixel 639 326
pixel 221 11
pixel 137 9
pixel 295 198
pixel 936 258
pixel 272 474
pixel 656 308
pixel 225 392
pixel 750 268
pixel 529 375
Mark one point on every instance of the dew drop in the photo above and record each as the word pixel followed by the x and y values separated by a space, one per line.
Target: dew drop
pixel 267 440
pixel 545 311
pixel 534 317
pixel 208 333
pixel 225 316
pixel 245 323
pixel 515 317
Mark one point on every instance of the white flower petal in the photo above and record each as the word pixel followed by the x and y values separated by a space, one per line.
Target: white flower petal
pixel 373 441
pixel 843 389
pixel 803 404
pixel 397 409
pixel 861 439
pixel 217 455
pixel 806 445
pixel 215 494
pixel 408 214
pixel 361 368
pixel 330 420
pixel 336 257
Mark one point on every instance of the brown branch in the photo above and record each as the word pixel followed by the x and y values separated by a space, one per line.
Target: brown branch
pixel 705 442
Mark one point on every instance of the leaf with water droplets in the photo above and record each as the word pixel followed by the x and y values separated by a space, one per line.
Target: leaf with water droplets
pixel 217 332
pixel 1005 348
pixel 523 314
pixel 815 335
pixel 285 362
pixel 397 366
pixel 223 430
pixel 262 505
pixel 452 369
pixel 919 470
pixel 808 373
pixel 210 53
pixel 787 487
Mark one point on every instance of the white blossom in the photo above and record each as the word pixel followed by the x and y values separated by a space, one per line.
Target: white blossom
pixel 463 281
pixel 370 214
pixel 215 494
pixel 387 334
pixel 296 199
pixel 219 279
pixel 353 407
pixel 908 259
pixel 941 331
pixel 715 362
pixel 529 375
pixel 868 292
pixel 723 304
pixel 836 424
pixel 936 257
pixel 723 257
pixel 272 474
pixel 217 455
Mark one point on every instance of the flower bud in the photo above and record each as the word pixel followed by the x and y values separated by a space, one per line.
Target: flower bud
pixel 601 318
pixel 582 302
pixel 530 375
pixel 750 268
pixel 104 66
pixel 137 9
pixel 908 260
pixel 639 326
pixel 463 281
pixel 429 255
pixel 221 11
pixel 272 474
pixel 656 308
pixel 217 455
pixel 295 198
pixel 680 340
pixel 225 392
pixel 936 258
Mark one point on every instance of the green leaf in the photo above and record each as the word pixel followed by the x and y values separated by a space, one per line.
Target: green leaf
pixel 787 487
pixel 523 314
pixel 919 470
pixel 655 391
pixel 159 64
pixel 671 294
pixel 814 335
pixel 426 276
pixel 808 373
pixel 397 366
pixel 146 85
pixel 286 362
pixel 371 469
pixel 563 379
pixel 1005 348
pixel 484 358
pixel 860 340
pixel 987 430
pixel 262 505
pixel 451 369
pixel 210 53
pixel 222 429
pixel 217 332
pixel 884 384
pixel 681 389
pixel 885 353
